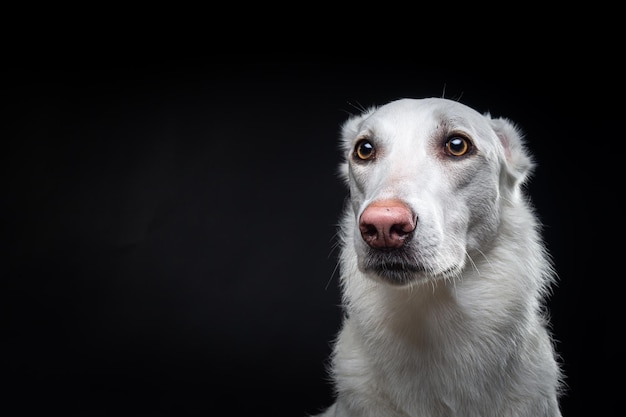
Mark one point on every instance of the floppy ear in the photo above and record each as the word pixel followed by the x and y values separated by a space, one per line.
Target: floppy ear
pixel 518 161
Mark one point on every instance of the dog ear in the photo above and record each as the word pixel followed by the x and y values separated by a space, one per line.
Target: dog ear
pixel 518 161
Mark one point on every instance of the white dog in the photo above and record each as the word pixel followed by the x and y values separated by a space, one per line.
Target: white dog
pixel 443 271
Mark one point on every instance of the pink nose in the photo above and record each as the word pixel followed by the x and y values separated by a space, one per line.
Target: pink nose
pixel 387 224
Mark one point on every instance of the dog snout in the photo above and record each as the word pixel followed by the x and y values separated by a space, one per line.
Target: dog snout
pixel 387 224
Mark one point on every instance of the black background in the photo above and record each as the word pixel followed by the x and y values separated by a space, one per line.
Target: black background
pixel 168 225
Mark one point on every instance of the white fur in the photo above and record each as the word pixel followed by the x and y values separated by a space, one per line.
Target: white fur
pixel 467 334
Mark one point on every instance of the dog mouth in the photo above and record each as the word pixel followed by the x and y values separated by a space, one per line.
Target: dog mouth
pixel 394 267
pixel 397 273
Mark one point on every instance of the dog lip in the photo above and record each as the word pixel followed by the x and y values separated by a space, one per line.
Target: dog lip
pixel 398 266
pixel 395 267
pixel 387 260
pixel 396 273
pixel 391 258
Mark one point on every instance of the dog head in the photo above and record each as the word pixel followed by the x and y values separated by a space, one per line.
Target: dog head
pixel 428 180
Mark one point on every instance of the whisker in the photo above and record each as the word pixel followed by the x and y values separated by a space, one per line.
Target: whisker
pixel 336 240
pixel 469 257
pixel 486 259
pixel 332 275
pixel 358 107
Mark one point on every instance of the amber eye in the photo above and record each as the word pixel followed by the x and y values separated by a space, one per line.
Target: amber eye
pixel 364 150
pixel 458 145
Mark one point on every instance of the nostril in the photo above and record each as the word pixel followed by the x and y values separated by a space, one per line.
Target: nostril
pixel 387 224
pixel 368 230
pixel 401 229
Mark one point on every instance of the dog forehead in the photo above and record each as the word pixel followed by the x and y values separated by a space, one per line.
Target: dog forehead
pixel 416 116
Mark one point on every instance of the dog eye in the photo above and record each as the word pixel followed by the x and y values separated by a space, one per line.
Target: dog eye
pixel 458 146
pixel 364 150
